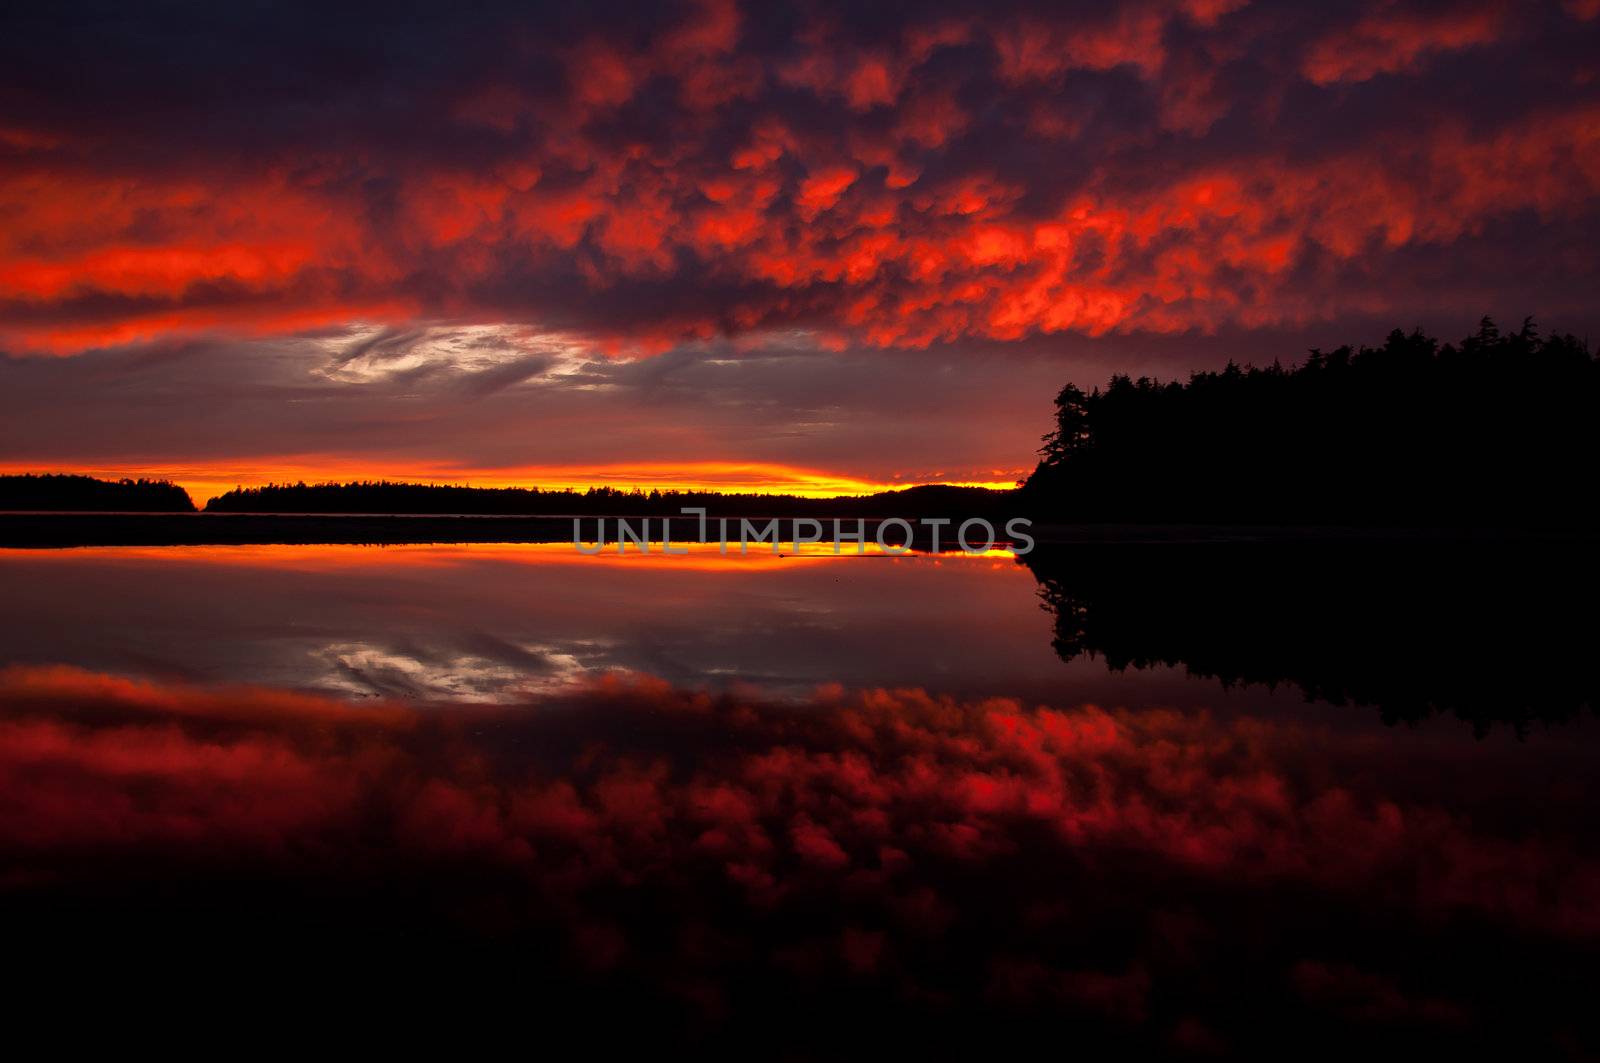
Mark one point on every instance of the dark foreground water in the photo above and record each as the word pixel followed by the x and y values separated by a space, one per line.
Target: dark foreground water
pixel 1157 800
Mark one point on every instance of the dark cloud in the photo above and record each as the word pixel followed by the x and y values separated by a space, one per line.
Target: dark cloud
pixel 900 176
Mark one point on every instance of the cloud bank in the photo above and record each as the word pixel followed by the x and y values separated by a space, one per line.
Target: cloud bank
pixel 893 176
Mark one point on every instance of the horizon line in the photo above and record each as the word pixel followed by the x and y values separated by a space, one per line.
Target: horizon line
pixel 205 485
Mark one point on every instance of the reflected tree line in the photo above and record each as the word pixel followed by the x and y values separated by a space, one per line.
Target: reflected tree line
pixel 1494 633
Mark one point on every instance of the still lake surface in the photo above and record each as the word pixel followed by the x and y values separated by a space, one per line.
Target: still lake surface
pixel 1177 801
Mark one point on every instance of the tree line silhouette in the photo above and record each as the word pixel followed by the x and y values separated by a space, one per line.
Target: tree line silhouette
pixel 53 491
pixel 1500 429
pixel 384 496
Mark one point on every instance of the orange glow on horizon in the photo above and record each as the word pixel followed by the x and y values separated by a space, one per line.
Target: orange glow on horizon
pixel 207 480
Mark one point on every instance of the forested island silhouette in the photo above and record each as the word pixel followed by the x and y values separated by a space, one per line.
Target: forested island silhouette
pixel 1498 430
pixel 55 492
pixel 383 496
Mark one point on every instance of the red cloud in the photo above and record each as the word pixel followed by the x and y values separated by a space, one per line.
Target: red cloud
pixel 1391 40
pixel 677 186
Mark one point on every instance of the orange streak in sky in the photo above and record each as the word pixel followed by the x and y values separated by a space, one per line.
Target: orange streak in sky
pixel 231 322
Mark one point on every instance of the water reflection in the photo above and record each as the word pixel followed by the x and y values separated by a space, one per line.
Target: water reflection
pixel 498 621
pixel 938 872
pixel 814 805
pixel 1492 634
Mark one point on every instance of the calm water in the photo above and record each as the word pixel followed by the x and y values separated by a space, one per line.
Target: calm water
pixel 1172 801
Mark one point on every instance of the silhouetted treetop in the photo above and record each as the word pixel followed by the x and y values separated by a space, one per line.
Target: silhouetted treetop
pixel 383 496
pixel 1501 428
pixel 57 492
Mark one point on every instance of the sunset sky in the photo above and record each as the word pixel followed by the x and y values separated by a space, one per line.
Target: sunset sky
pixel 824 247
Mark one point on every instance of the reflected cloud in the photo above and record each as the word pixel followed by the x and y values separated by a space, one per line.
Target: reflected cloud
pixel 504 671
pixel 943 861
